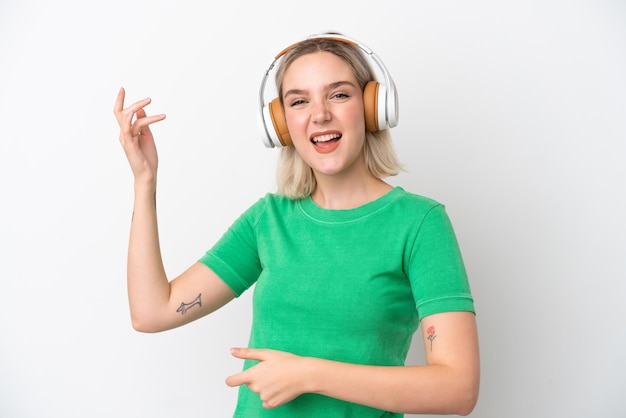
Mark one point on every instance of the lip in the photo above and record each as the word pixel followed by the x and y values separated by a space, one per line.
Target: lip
pixel 326 147
pixel 323 133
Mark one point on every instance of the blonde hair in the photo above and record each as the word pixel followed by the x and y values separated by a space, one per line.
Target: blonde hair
pixel 295 178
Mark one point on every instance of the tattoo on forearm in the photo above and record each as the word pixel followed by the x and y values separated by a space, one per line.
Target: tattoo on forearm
pixel 431 335
pixel 184 307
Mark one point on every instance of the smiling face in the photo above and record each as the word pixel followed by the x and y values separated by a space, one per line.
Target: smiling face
pixel 323 105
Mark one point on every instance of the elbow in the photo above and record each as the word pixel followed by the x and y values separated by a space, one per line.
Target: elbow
pixel 141 326
pixel 467 399
pixel 458 394
pixel 144 325
pixel 466 407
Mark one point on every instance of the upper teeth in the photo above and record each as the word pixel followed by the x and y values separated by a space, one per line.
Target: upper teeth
pixel 324 138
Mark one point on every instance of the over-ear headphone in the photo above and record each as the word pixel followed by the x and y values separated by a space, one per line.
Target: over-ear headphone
pixel 380 99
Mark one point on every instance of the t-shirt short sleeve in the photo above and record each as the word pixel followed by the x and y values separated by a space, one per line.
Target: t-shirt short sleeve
pixel 235 257
pixel 436 269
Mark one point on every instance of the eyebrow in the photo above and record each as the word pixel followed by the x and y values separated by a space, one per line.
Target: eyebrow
pixel 331 86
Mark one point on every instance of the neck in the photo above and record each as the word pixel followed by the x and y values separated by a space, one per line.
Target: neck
pixel 333 193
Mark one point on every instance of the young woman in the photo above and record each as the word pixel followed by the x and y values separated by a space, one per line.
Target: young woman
pixel 345 266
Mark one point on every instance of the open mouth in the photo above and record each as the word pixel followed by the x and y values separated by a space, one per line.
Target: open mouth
pixel 326 140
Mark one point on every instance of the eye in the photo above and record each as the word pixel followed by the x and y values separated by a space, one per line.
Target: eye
pixel 340 96
pixel 296 102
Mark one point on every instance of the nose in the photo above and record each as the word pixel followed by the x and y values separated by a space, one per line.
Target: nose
pixel 320 113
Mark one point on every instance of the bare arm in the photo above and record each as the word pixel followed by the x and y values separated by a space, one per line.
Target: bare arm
pixel 447 384
pixel 155 303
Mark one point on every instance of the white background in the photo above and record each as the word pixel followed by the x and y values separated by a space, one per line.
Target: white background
pixel 513 114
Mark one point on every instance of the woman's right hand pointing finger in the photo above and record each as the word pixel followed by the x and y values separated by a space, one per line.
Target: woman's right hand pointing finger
pixel 136 137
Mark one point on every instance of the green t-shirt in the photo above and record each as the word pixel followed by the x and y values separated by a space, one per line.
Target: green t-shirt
pixel 344 285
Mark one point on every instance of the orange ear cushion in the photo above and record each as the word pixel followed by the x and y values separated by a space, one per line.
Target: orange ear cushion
pixel 280 122
pixel 370 104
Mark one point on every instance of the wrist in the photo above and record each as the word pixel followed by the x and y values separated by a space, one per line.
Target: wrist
pixel 312 372
pixel 145 187
pixel 145 193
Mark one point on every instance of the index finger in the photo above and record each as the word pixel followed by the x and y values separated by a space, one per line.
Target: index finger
pixel 119 102
pixel 250 353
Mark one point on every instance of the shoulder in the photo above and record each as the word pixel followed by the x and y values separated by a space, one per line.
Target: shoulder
pixel 414 203
pixel 422 212
pixel 273 200
pixel 269 203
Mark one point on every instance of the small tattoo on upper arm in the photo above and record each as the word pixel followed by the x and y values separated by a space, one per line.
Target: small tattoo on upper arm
pixel 184 307
pixel 431 335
